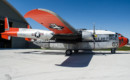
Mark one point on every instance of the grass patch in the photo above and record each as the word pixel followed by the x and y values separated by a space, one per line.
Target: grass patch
pixel 125 48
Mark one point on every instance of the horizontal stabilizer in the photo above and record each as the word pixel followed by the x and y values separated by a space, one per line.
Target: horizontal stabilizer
pixel 5 37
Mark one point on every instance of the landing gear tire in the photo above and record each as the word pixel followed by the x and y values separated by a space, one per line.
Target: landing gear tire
pixel 113 51
pixel 68 52
pixel 76 51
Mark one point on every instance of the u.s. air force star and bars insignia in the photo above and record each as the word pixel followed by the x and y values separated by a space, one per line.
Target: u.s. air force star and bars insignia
pixel 54 26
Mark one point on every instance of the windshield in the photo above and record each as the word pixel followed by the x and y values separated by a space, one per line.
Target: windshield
pixel 113 36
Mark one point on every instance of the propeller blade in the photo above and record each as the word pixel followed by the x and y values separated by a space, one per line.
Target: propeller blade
pixel 94 29
pixel 94 35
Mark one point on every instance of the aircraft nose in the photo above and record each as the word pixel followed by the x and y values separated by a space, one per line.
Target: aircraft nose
pixel 123 41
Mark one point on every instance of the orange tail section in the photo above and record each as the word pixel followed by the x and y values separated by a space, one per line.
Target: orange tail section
pixel 9 31
pixel 3 35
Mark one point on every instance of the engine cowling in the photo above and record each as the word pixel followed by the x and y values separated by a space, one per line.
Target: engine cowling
pixel 87 36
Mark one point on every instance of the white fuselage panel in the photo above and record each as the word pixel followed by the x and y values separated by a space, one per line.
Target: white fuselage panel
pixel 35 34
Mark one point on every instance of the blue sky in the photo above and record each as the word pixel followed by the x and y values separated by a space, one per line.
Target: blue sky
pixel 113 15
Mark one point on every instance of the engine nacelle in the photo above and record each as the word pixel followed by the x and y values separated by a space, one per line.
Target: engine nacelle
pixel 87 36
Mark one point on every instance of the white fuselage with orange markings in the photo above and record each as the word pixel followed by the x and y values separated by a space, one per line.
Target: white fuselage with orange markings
pixel 101 40
pixel 63 35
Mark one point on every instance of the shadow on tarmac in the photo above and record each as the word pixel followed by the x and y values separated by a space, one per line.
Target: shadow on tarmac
pixel 77 60
pixel 81 59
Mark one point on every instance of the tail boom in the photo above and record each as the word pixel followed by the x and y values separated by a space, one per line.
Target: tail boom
pixel 26 33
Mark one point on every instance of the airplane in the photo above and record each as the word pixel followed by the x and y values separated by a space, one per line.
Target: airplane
pixel 64 33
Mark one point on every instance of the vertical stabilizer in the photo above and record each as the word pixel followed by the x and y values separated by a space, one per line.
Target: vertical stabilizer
pixel 4 34
pixel 6 24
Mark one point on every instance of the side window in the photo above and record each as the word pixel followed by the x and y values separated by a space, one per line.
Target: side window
pixel 103 38
pixel 107 38
pixel 99 39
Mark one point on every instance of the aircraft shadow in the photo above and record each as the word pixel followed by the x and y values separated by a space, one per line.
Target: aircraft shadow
pixel 77 60
pixel 81 59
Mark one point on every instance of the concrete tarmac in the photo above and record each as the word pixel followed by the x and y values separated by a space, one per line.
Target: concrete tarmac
pixel 37 64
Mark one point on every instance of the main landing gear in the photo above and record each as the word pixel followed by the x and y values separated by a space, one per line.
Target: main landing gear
pixel 113 50
pixel 69 52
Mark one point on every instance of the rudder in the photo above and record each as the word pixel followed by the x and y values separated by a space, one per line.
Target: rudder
pixel 6 24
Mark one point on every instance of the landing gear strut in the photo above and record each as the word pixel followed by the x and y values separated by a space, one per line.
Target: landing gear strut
pixel 68 52
pixel 113 50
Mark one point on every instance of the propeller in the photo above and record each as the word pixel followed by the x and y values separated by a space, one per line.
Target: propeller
pixel 94 35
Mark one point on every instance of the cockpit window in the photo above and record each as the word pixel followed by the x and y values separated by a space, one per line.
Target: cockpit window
pixel 113 36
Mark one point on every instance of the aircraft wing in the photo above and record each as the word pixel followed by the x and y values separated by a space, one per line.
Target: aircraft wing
pixel 51 21
pixel 62 30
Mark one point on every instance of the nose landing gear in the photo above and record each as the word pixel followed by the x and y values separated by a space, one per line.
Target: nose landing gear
pixel 113 50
